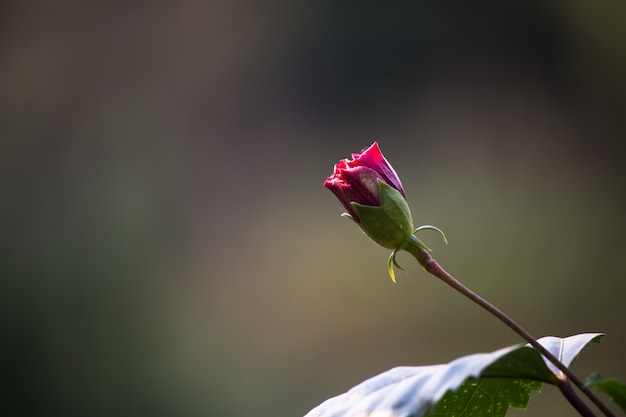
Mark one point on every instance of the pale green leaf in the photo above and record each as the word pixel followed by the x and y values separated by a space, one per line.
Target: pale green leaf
pixel 483 384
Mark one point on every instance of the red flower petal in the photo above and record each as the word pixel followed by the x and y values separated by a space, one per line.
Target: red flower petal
pixel 356 180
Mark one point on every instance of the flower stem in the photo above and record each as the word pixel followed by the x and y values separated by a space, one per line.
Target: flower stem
pixel 431 266
pixel 569 393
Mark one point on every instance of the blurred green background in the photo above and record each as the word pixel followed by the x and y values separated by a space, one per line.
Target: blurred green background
pixel 167 248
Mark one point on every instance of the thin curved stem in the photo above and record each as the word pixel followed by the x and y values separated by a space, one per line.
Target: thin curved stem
pixel 431 266
pixel 569 393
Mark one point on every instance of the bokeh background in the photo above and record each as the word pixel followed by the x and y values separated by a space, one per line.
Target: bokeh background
pixel 167 248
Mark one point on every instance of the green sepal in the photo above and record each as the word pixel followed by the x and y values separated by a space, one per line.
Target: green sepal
pixel 389 224
pixel 436 229
pixel 413 240
pixel 390 264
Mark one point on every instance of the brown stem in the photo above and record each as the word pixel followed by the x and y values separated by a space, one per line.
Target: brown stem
pixel 430 265
pixel 574 400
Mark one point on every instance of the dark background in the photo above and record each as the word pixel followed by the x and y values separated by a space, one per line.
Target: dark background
pixel 167 247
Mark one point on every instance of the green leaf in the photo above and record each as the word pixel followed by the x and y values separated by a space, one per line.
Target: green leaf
pixel 474 385
pixel 612 387
pixel 567 352
pixel 486 396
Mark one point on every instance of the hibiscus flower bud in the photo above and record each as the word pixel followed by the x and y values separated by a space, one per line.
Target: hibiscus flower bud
pixel 372 194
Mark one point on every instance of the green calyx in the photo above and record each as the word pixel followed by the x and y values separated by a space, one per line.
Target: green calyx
pixel 413 246
pixel 391 225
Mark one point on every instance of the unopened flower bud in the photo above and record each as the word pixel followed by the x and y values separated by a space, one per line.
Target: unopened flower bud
pixel 371 192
